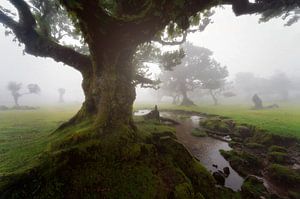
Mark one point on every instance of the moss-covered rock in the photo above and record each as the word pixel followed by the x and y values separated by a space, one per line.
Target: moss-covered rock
pixel 243 162
pixel 268 139
pixel 199 132
pixel 254 145
pixel 253 188
pixel 215 124
pixel 243 131
pixel 284 175
pixel 278 157
pixel 275 148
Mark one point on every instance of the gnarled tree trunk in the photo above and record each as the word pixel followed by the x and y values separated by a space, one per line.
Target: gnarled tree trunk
pixel 109 91
pixel 185 100
pixel 112 90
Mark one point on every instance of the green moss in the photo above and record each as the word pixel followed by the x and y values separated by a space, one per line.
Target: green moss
pixel 243 162
pixel 275 148
pixel 268 139
pixel 278 157
pixel 284 175
pixel 199 132
pixel 183 190
pixel 254 145
pixel 81 163
pixel 253 188
pixel 215 124
pixel 294 194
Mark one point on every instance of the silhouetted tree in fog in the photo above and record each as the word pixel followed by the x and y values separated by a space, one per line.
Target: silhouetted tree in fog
pixel 214 80
pixel 197 70
pixel 15 89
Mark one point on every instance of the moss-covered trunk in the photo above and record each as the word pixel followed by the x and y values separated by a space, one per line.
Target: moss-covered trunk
pixel 109 88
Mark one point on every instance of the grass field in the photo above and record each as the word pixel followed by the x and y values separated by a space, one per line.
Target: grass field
pixel 284 120
pixel 25 134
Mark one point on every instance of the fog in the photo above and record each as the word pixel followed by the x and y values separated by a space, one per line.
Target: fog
pixel 241 43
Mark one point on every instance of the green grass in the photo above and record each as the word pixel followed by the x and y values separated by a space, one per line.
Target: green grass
pixel 284 120
pixel 143 172
pixel 24 134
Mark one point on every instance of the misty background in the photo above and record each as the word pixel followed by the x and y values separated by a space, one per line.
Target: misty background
pixel 259 51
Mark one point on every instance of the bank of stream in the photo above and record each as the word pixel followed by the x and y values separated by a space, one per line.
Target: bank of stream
pixel 205 149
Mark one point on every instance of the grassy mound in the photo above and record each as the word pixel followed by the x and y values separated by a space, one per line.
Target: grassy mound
pixel 78 163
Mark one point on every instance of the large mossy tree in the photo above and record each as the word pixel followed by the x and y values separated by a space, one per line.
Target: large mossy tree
pixel 98 153
pixel 112 31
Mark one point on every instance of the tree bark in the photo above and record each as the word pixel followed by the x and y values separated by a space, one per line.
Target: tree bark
pixel 111 92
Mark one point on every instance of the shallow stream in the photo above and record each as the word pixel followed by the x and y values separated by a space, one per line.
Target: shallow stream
pixel 205 149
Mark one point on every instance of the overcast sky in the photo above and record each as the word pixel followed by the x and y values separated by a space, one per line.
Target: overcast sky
pixel 238 42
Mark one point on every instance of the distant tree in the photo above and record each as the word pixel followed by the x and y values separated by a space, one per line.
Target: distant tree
pixel 197 70
pixel 33 89
pixel 61 92
pixel 15 89
pixel 214 80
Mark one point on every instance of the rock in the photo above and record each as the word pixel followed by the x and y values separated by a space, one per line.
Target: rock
pixel 226 171
pixel 219 177
pixel 257 102
pixel 153 115
pixel 244 131
pixel 253 187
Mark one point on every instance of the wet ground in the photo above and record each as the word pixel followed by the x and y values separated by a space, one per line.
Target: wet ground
pixel 205 149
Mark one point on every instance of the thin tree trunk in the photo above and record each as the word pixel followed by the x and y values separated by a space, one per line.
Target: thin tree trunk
pixel 213 97
pixel 16 100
